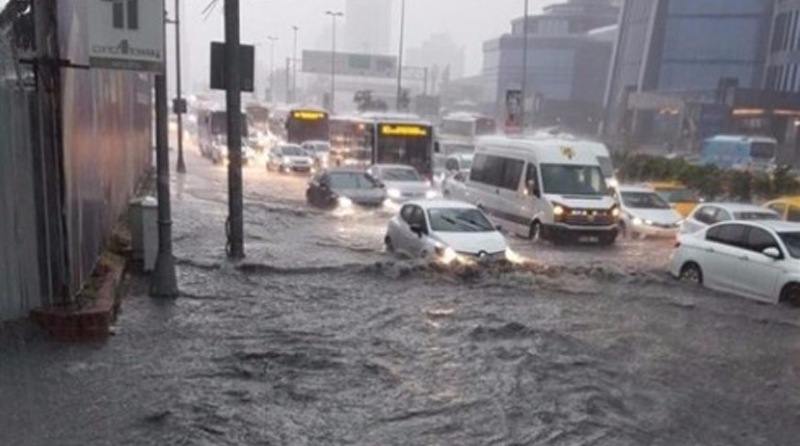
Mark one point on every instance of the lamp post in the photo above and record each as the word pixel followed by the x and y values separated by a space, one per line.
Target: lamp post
pixel 524 67
pixel 334 16
pixel 272 40
pixel 178 104
pixel 400 53
pixel 294 65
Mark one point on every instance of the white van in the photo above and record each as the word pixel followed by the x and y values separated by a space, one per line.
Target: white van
pixel 544 188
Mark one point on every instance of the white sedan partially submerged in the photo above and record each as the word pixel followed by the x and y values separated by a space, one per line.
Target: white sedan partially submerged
pixel 446 231
pixel 754 259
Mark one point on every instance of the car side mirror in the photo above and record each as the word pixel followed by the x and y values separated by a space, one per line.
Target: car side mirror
pixel 533 189
pixel 499 228
pixel 417 228
pixel 773 253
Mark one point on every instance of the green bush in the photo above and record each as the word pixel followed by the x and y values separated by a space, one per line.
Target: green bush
pixel 710 182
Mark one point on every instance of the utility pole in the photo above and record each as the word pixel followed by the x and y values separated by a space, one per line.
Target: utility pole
pixel 400 53
pixel 165 282
pixel 181 168
pixel 288 80
pixel 524 69
pixel 294 65
pixel 233 101
pixel 272 40
pixel 425 84
pixel 334 16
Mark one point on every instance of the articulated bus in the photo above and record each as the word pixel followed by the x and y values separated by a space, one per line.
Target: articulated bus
pixel 307 124
pixel 378 138
pixel 466 126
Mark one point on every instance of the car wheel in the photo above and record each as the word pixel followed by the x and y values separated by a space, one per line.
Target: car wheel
pixel 692 273
pixel 389 244
pixel 535 234
pixel 791 294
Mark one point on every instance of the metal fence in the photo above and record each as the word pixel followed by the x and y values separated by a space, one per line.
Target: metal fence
pixel 20 276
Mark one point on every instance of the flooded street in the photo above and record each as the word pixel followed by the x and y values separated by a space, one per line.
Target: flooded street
pixel 321 338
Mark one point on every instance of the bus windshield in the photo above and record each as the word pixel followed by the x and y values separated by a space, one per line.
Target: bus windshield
pixel 561 179
pixel 304 126
pixel 762 150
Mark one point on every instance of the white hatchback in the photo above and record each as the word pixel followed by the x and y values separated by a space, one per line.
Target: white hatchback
pixel 708 214
pixel 644 213
pixel 445 230
pixel 402 183
pixel 754 259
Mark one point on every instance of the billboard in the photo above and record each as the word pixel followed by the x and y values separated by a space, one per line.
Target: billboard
pixel 513 111
pixel 126 34
pixel 350 64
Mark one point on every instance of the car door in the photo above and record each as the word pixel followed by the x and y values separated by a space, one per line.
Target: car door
pixel 722 255
pixel 759 273
pixel 417 242
pixel 403 238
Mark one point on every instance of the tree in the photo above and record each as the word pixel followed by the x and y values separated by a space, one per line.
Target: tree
pixel 365 102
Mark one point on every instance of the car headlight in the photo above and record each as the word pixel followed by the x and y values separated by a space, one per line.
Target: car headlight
pixel 648 222
pixel 513 257
pixel 615 212
pixel 446 254
pixel 613 183
pixel 431 194
pixel 394 193
pixel 637 221
pixel 559 210
pixel 344 202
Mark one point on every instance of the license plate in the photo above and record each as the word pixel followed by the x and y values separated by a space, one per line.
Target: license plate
pixel 589 239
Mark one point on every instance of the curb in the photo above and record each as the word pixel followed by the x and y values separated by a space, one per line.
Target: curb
pixel 92 322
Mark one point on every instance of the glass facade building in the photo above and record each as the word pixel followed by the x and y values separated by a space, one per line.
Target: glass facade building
pixel 680 46
pixel 567 63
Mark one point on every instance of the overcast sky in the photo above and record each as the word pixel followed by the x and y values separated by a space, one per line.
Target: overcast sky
pixel 469 22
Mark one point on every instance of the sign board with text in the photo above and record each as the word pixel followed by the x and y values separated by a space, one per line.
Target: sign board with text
pixel 126 34
pixel 246 67
pixel 350 64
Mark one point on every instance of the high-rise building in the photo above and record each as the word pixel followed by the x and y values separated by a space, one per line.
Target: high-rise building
pixel 440 55
pixel 368 26
pixel 569 50
pixel 685 49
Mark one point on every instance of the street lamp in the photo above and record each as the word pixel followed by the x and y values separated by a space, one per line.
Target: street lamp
pixel 524 68
pixel 272 40
pixel 294 65
pixel 334 16
pixel 400 55
pixel 178 104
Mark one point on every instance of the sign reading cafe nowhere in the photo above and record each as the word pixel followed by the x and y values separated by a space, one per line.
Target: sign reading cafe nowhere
pixel 126 34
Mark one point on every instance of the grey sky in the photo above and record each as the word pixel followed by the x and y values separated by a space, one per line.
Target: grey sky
pixel 470 22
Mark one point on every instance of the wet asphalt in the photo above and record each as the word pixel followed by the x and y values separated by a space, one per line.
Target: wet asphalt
pixel 321 338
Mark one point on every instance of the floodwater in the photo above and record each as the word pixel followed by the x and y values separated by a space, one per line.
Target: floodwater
pixel 321 338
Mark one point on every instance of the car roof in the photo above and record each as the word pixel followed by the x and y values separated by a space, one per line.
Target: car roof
pixel 394 166
pixel 774 225
pixel 633 188
pixel 315 141
pixel 665 185
pixel 346 170
pixel 442 204
pixel 736 207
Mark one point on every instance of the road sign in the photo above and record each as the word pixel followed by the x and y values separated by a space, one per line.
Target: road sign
pixel 350 64
pixel 246 66
pixel 126 34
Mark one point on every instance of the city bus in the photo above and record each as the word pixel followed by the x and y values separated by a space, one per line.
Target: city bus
pixel 307 124
pixel 349 142
pixel 212 133
pixel 401 139
pixel 466 126
pixel 740 152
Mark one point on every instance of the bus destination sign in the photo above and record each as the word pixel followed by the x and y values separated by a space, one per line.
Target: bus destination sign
pixel 404 130
pixel 308 115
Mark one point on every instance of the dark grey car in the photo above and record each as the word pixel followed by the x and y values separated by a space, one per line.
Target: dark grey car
pixel 343 187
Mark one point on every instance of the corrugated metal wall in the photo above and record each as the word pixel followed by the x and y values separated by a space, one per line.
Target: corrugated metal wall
pixel 19 266
pixel 107 143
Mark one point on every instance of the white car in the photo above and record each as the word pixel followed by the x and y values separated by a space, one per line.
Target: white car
pixel 708 214
pixel 645 214
pixel 287 158
pixel 402 183
pixel 454 187
pixel 319 151
pixel 754 259
pixel 445 230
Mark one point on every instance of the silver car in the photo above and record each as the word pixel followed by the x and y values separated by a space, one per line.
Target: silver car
pixel 402 183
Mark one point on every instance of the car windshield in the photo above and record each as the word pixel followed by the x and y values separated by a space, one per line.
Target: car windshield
pixel 352 180
pixel 400 174
pixel 560 179
pixel 792 242
pixel 678 195
pixel 756 215
pixel 643 200
pixel 459 220
pixel 292 151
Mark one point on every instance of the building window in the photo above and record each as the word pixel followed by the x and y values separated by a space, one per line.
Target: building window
pixel 118 15
pixel 123 8
pixel 133 14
